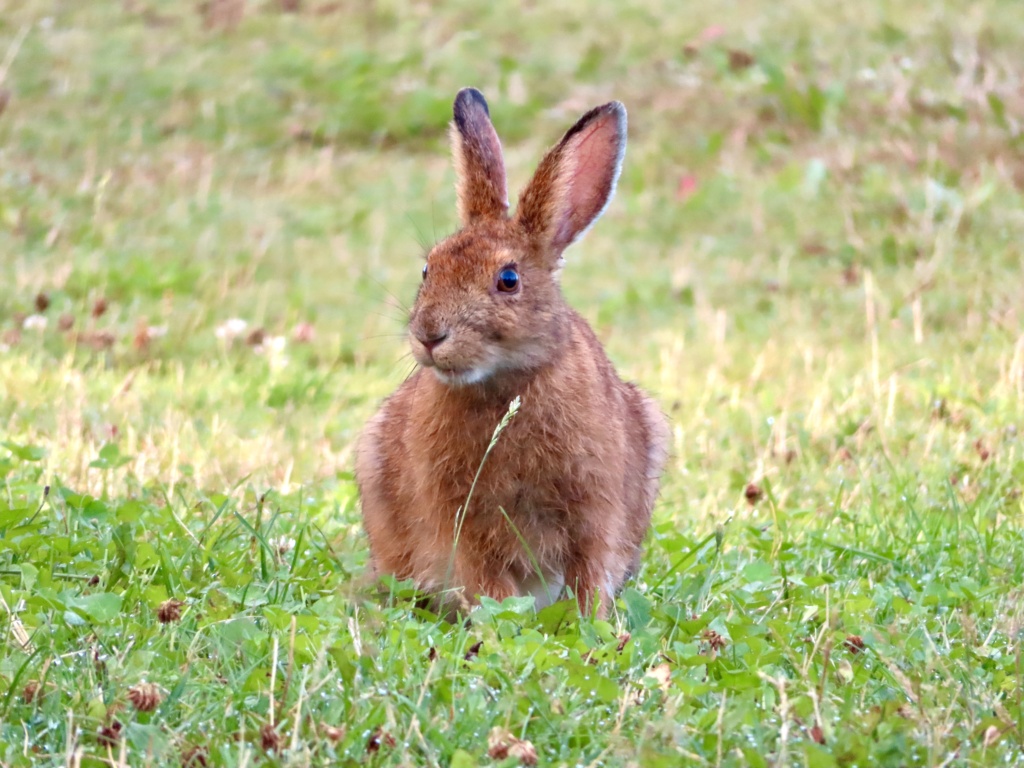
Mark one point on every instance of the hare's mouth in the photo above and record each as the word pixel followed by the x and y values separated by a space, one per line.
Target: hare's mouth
pixel 461 377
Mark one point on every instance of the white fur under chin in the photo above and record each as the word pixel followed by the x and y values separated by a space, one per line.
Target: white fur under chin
pixel 463 378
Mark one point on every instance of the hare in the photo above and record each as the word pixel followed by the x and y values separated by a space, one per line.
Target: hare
pixel 564 498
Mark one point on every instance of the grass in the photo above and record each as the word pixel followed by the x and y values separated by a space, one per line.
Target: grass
pixel 813 262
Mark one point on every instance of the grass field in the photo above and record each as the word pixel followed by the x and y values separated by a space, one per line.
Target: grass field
pixel 814 262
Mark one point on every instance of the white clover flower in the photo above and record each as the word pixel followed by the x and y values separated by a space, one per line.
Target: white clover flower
pixel 271 346
pixel 231 329
pixel 34 323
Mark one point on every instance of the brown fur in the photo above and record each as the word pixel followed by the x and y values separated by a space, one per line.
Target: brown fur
pixel 576 471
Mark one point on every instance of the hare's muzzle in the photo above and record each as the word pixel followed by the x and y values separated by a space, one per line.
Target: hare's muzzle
pixel 430 340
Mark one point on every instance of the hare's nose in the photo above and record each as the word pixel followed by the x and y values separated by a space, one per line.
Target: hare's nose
pixel 431 340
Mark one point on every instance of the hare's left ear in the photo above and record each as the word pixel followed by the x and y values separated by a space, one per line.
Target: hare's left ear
pixel 575 180
pixel 479 166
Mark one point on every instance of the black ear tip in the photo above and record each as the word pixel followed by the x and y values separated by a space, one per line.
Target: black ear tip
pixel 613 110
pixel 469 98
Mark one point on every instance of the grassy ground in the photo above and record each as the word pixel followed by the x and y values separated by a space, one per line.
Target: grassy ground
pixel 813 261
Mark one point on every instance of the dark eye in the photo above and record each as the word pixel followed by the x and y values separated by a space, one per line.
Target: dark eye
pixel 508 280
pixel 424 271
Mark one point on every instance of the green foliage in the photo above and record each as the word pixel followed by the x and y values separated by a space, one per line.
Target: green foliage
pixel 724 643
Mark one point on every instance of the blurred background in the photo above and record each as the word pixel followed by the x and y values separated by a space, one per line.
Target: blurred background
pixel 212 218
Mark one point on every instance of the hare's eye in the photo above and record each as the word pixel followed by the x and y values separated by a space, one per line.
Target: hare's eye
pixel 424 271
pixel 508 280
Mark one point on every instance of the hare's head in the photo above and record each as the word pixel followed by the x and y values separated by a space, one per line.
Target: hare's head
pixel 490 303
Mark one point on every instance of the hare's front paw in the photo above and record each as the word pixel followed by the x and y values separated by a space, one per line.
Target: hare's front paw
pixel 592 584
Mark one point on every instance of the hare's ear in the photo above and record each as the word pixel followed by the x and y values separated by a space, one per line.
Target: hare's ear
pixel 575 180
pixel 479 167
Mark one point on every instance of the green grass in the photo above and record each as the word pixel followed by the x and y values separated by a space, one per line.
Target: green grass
pixel 813 262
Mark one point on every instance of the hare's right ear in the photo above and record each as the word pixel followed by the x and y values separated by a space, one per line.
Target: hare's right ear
pixel 479 166
pixel 575 180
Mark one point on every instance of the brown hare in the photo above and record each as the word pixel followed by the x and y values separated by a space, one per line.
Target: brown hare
pixel 564 498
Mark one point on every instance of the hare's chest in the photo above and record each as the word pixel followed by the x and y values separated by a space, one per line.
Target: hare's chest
pixel 529 496
pixel 517 470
